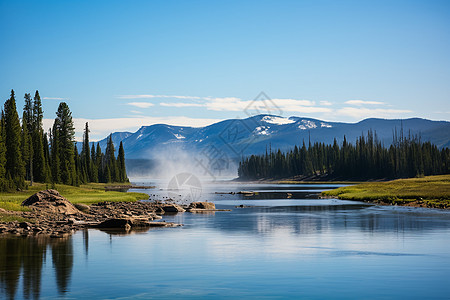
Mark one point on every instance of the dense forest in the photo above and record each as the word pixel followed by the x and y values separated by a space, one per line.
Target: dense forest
pixel 368 158
pixel 28 153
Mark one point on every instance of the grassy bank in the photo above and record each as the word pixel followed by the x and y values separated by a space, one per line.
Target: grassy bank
pixel 430 191
pixel 86 194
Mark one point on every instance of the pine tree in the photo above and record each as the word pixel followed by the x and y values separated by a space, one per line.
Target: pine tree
pixel 27 120
pixel 86 154
pixel 110 160
pixel 47 158
pixel 4 185
pixel 66 132
pixel 26 148
pixel 55 153
pixel 121 164
pixel 100 163
pixel 39 165
pixel 79 176
pixel 94 165
pixel 14 165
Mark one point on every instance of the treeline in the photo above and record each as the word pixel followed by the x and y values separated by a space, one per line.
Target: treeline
pixel 366 159
pixel 27 152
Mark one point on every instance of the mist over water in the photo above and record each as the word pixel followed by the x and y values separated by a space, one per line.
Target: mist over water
pixel 165 163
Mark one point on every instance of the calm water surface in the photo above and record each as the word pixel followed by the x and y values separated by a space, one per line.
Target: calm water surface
pixel 302 247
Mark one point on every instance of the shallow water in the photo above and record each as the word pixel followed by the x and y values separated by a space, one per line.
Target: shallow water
pixel 302 247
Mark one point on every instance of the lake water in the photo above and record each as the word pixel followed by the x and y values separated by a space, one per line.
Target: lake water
pixel 297 247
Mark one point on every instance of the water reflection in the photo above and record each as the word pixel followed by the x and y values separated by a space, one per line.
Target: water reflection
pixel 24 257
pixel 281 236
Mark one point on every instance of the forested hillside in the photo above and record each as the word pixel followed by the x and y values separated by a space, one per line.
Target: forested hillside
pixel 29 153
pixel 368 158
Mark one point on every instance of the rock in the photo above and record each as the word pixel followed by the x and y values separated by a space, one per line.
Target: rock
pixel 203 205
pixel 82 207
pixel 172 208
pixel 51 201
pixel 116 223
pixel 25 225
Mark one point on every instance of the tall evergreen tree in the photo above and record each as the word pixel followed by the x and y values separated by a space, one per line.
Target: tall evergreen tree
pixel 79 176
pixel 27 132
pixel 4 185
pixel 47 158
pixel 39 164
pixel 86 154
pixel 55 153
pixel 100 163
pixel 94 165
pixel 14 165
pixel 65 132
pixel 26 149
pixel 110 160
pixel 121 164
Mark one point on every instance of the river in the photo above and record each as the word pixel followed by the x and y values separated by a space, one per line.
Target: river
pixel 287 244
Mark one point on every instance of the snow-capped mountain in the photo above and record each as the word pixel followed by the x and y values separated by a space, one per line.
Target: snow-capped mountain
pixel 240 137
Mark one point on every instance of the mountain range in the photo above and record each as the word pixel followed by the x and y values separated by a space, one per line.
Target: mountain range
pixel 241 137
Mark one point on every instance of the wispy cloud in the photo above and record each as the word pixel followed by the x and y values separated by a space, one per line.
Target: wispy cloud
pixel 136 112
pixel 181 104
pixel 363 102
pixel 353 110
pixel 141 104
pixel 54 98
pixel 100 128
pixel 362 112
pixel 231 103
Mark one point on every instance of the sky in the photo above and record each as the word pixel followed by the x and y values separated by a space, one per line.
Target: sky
pixel 120 65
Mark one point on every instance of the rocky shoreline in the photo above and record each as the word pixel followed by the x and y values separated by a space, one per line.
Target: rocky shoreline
pixel 53 215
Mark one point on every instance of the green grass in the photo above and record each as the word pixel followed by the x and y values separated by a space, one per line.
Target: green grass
pixel 86 194
pixel 316 182
pixel 433 191
pixel 10 218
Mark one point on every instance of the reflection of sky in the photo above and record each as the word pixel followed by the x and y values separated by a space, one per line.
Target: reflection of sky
pixel 281 254
pixel 318 249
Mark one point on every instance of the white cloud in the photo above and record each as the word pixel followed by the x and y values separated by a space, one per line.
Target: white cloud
pixel 363 102
pixel 226 104
pixel 141 104
pixel 55 98
pixel 362 113
pixel 234 103
pixel 181 104
pixel 325 103
pixel 136 112
pixel 100 128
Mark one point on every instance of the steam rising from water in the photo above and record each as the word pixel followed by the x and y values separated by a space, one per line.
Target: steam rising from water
pixel 165 163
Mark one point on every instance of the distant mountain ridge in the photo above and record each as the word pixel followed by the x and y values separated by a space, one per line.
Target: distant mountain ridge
pixel 236 138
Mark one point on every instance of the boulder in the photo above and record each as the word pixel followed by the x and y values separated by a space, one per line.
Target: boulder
pixel 116 223
pixel 82 207
pixel 172 208
pixel 51 201
pixel 202 205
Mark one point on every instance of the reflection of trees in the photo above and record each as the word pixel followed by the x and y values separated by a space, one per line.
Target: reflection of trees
pixel 308 219
pixel 62 257
pixel 24 257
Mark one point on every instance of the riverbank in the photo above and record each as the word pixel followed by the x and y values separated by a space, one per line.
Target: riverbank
pixel 86 193
pixel 429 191
pixel 47 212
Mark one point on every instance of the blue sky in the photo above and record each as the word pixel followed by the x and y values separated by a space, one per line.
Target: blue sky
pixel 123 64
